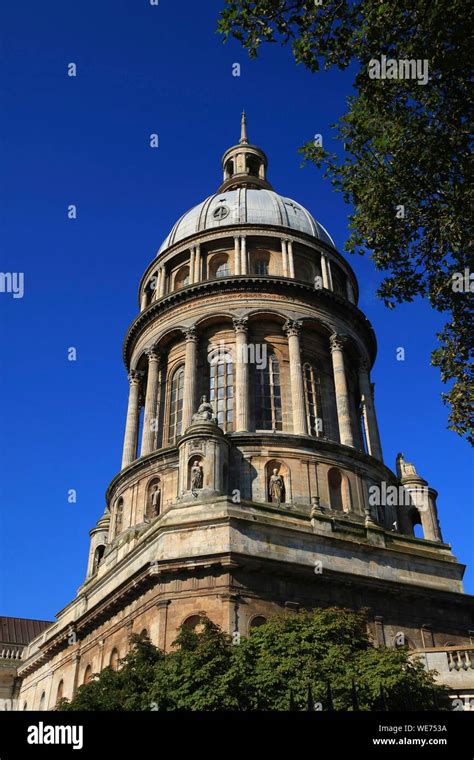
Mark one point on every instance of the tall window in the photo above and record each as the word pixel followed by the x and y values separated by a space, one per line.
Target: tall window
pixel 268 396
pixel 59 693
pixel 176 405
pixel 312 393
pixel 261 262
pixel 221 390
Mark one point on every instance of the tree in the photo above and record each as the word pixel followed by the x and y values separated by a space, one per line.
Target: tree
pixel 406 162
pixel 286 656
pixel 123 689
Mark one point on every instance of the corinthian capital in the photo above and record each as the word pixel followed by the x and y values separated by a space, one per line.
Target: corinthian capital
pixel 152 354
pixel 190 333
pixel 292 327
pixel 135 377
pixel 336 342
pixel 240 324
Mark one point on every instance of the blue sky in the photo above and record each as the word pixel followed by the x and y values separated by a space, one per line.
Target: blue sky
pixel 85 140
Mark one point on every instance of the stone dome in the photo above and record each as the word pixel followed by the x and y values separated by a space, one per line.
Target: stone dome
pixel 245 205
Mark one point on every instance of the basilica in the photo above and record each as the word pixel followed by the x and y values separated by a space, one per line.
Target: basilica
pixel 251 451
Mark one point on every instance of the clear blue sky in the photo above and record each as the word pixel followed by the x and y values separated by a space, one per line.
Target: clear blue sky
pixel 84 140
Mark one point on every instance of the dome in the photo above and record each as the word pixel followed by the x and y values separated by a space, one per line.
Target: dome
pixel 246 206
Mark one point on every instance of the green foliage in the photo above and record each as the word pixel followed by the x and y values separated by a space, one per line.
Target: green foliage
pixel 405 145
pixel 123 689
pixel 204 671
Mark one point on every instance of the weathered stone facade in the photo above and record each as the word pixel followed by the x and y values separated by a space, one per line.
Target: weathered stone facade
pixel 252 454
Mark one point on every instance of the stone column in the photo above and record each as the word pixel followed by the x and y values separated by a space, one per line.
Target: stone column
pixel 331 285
pixel 284 258
pixel 149 419
pixel 342 394
pixel 162 282
pixel 368 412
pixel 291 262
pixel 241 375
pixel 191 265
pixel 143 303
pixel 190 371
pixel 292 328
pixel 133 416
pixel 324 271
pixel 162 607
pixel 236 255
pixel 349 291
pixel 197 264
pixel 243 255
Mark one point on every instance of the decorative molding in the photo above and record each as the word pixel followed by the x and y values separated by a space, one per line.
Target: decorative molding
pixel 293 327
pixel 336 342
pixel 240 324
pixel 190 334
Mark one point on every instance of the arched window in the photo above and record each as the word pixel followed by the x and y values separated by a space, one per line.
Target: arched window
pixel 98 557
pixel 261 263
pixel 87 675
pixel 114 659
pixel 253 165
pixel 182 278
pixel 119 516
pixel 268 396
pixel 338 280
pixel 42 701
pixel 59 693
pixel 223 269
pixel 257 621
pixel 193 623
pixel 25 705
pixel 303 271
pixel 221 389
pixel 144 633
pixel 335 489
pixel 339 490
pixel 312 392
pixel 219 266
pixel 415 521
pixel 176 405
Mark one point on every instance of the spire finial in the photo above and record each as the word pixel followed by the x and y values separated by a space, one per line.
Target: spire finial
pixel 243 129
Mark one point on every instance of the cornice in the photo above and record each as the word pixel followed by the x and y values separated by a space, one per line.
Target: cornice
pixel 254 284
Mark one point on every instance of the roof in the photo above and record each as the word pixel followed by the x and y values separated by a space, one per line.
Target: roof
pixel 21 630
pixel 246 206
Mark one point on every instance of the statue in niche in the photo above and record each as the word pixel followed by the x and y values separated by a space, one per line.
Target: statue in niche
pixel 276 488
pixel 155 500
pixel 204 412
pixel 196 476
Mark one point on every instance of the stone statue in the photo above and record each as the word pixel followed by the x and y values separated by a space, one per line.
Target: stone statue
pixel 205 411
pixel 275 488
pixel 196 476
pixel 405 469
pixel 156 500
